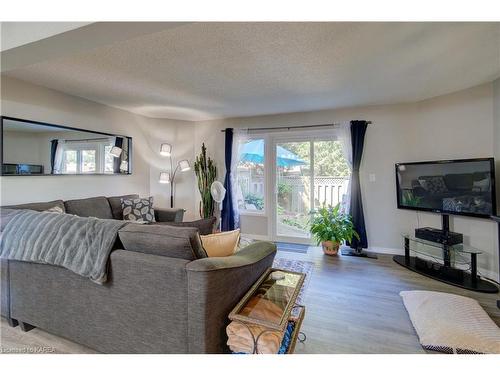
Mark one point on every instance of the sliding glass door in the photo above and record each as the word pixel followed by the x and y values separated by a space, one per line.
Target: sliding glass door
pixel 308 172
pixel 293 189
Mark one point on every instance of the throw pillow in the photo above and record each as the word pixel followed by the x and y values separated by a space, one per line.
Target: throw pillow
pixel 221 244
pixel 55 209
pixel 139 210
pixel 164 240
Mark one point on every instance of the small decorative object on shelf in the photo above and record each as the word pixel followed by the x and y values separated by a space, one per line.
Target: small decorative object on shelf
pixel 267 320
pixel 330 227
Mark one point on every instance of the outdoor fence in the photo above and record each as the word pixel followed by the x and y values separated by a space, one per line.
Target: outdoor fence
pixel 295 190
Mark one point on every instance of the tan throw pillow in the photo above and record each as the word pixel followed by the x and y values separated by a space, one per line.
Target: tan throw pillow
pixel 221 244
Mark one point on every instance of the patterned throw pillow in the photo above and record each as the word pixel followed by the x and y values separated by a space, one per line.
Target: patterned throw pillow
pixel 139 210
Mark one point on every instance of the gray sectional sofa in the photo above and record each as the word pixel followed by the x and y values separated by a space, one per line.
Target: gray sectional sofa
pixel 162 296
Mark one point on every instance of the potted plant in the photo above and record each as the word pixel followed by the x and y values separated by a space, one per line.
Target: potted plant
pixel 330 227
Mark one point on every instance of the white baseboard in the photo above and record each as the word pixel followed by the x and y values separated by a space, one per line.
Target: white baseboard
pixel 386 250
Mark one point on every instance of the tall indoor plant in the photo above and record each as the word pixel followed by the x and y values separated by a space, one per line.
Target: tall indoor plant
pixel 330 227
pixel 206 173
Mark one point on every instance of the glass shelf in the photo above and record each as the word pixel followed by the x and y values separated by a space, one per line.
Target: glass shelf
pixel 439 262
pixel 460 248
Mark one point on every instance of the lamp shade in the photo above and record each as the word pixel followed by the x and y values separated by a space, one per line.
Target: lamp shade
pixel 164 178
pixel 124 166
pixel 165 149
pixel 115 151
pixel 184 165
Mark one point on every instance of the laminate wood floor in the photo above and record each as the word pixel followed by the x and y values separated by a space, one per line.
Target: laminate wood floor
pixel 353 306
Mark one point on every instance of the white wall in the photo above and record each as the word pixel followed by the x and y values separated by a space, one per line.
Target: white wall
pixel 24 100
pixel 23 147
pixel 459 125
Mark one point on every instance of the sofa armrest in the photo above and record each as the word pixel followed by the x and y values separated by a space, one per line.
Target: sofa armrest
pixel 215 286
pixel 249 255
pixel 169 214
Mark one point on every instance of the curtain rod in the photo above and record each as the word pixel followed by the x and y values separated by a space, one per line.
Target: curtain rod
pixel 85 140
pixel 295 127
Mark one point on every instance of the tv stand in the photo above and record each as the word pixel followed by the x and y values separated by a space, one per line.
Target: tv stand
pixel 445 225
pixel 497 219
pixel 444 271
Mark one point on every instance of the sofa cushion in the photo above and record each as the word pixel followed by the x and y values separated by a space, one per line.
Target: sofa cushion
pixel 116 204
pixel 169 214
pixel 204 226
pixel 89 207
pixel 162 240
pixel 39 206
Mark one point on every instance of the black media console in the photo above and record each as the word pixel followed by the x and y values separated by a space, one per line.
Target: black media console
pixel 427 242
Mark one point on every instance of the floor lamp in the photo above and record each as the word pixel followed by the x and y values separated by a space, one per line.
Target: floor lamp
pixel 117 152
pixel 169 178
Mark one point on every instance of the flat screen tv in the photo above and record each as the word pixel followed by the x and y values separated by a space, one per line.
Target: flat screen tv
pixel 458 187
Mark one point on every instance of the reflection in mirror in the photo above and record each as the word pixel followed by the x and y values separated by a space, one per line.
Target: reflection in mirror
pixel 31 148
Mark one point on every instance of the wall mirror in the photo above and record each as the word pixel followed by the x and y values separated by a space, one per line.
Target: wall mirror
pixel 37 148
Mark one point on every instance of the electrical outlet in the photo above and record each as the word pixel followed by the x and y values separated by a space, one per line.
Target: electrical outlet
pixel 371 177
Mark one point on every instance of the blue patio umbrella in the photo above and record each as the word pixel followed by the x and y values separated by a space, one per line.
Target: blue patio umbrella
pixel 253 152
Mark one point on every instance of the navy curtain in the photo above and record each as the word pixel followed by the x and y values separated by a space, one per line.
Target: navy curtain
pixel 227 214
pixel 53 149
pixel 117 161
pixel 358 130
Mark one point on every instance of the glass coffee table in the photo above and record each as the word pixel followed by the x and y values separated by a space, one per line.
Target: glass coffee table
pixel 269 308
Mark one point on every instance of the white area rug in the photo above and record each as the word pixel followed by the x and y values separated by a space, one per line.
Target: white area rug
pixel 450 323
